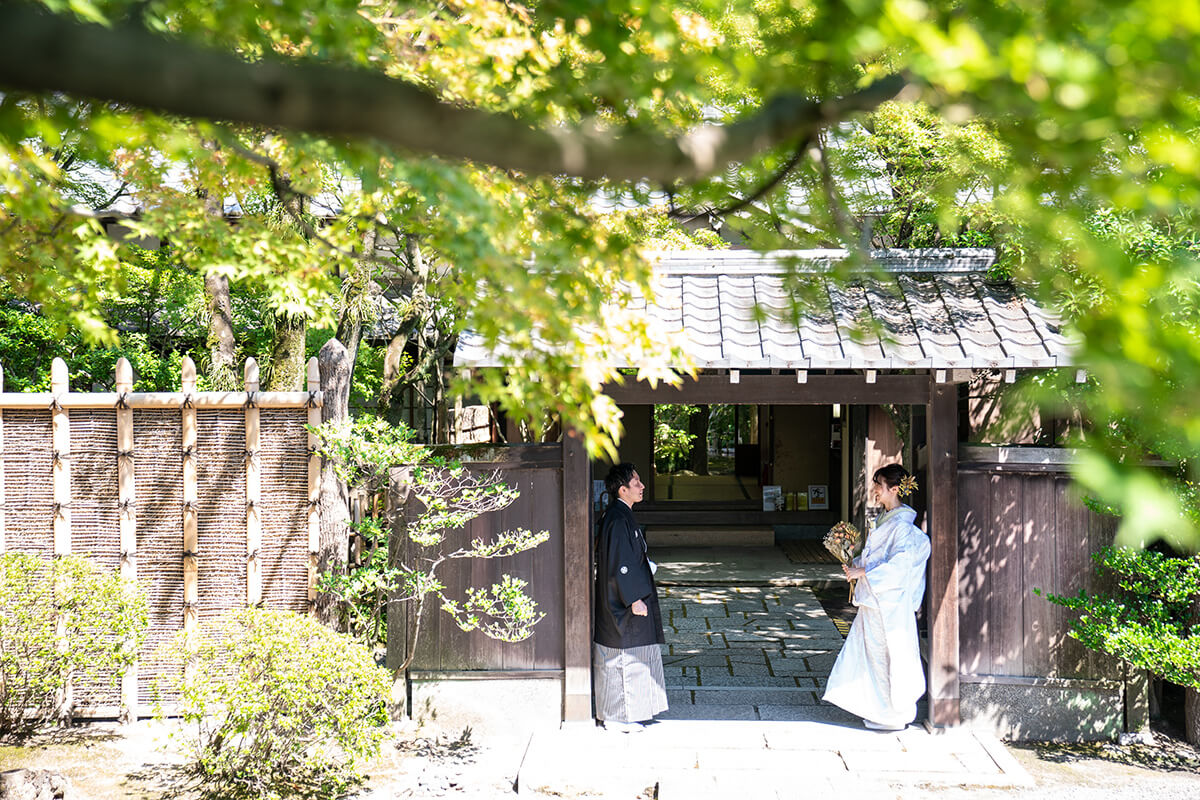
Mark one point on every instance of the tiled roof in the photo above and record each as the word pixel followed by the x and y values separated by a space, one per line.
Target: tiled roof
pixel 919 309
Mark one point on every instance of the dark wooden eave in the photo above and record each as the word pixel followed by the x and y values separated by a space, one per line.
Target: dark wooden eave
pixel 781 389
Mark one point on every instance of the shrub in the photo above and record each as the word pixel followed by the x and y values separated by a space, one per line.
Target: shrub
pixel 1149 618
pixel 60 620
pixel 282 706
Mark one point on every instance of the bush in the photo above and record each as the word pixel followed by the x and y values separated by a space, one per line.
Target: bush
pixel 1149 618
pixel 282 706
pixel 60 620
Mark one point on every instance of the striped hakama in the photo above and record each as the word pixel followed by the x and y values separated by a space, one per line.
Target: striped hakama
pixel 629 682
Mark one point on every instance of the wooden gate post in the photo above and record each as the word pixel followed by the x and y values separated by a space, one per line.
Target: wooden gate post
pixel 577 581
pixel 942 593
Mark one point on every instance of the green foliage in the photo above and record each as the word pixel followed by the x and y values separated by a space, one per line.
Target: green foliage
pixel 363 588
pixel 279 706
pixel 502 611
pixel 364 449
pixel 672 442
pixel 61 620
pixel 927 181
pixel 1029 120
pixel 1150 618
pixel 447 495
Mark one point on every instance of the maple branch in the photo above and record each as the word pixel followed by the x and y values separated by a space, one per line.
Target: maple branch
pixel 127 64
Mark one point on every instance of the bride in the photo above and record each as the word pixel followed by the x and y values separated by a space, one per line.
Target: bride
pixel 878 673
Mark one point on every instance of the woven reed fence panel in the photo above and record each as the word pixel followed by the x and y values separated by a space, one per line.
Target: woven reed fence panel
pixel 221 503
pixel 158 510
pixel 158 487
pixel 284 508
pixel 95 517
pixel 95 523
pixel 28 482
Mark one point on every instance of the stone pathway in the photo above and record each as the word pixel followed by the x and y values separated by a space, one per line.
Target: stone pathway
pixel 758 760
pixel 746 652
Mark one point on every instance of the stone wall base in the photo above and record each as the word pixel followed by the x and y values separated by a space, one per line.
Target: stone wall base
pixel 1043 709
pixel 488 705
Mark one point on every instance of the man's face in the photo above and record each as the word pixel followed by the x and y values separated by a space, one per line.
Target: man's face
pixel 632 492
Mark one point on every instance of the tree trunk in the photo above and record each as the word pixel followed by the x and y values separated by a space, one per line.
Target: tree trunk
pixel 1191 715
pixel 288 368
pixel 222 349
pixel 333 544
pixel 356 300
pixel 698 427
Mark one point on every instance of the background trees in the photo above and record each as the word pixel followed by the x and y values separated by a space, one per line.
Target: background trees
pixel 288 148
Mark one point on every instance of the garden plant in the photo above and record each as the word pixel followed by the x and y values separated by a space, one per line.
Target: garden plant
pixel 61 621
pixel 276 705
pixel 447 496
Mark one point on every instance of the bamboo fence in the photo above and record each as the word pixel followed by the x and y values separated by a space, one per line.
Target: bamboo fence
pixel 207 500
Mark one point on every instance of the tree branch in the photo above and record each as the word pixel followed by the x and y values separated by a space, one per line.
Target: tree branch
pixel 759 193
pixel 44 52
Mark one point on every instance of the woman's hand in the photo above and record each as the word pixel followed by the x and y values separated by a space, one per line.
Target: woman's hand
pixel 639 608
pixel 853 573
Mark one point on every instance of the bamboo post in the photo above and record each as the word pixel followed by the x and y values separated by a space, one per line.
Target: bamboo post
pixel 191 536
pixel 60 471
pixel 314 482
pixel 2 497
pixel 253 489
pixel 61 464
pixel 128 519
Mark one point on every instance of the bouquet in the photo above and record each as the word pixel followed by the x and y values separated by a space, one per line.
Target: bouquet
pixel 845 542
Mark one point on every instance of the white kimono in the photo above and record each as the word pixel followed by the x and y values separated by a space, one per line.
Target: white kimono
pixel 878 673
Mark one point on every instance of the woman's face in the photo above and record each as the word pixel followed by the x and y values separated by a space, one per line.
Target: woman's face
pixel 886 496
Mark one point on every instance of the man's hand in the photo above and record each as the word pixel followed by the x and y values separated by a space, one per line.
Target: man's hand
pixel 639 608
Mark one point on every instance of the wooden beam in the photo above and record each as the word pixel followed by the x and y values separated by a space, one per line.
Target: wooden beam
pixel 228 400
pixel 778 390
pixel 942 592
pixel 577 584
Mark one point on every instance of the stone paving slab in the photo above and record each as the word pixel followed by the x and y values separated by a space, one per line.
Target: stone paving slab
pixel 689 711
pixel 726 681
pixel 717 696
pixel 711 659
pixel 698 760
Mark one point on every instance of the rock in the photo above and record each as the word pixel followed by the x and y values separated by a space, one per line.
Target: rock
pixel 1136 737
pixel 34 784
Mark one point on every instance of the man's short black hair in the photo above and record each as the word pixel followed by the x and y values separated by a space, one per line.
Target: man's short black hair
pixel 620 475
